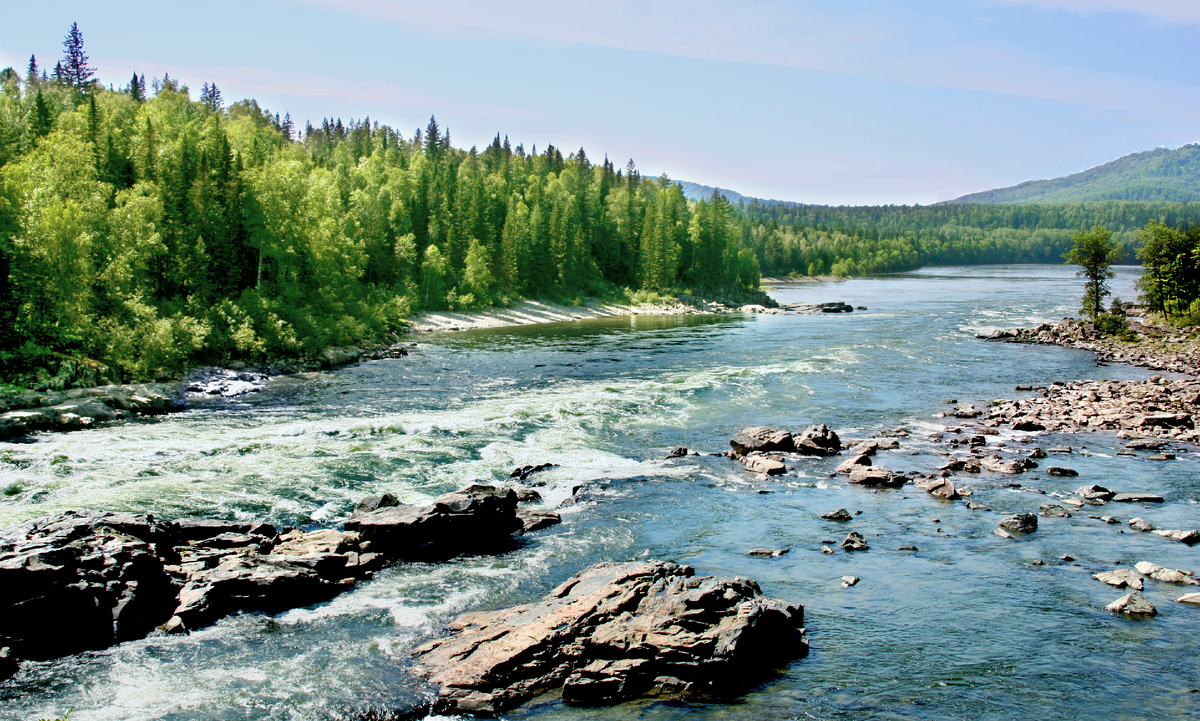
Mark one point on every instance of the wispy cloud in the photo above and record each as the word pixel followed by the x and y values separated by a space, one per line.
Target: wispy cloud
pixel 1187 11
pixel 924 51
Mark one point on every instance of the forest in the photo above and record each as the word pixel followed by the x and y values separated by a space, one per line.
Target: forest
pixel 848 241
pixel 149 230
pixel 152 231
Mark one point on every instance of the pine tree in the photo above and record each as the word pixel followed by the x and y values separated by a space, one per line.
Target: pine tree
pixel 32 74
pixel 137 90
pixel 43 122
pixel 75 70
pixel 210 96
pixel 288 125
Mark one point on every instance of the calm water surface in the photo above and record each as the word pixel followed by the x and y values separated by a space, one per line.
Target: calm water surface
pixel 966 627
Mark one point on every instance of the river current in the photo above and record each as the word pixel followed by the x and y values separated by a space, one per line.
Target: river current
pixel 966 627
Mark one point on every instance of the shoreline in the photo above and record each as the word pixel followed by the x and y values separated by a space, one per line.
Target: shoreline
pixel 1154 408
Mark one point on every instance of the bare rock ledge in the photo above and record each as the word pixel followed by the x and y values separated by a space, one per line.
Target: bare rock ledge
pixel 613 632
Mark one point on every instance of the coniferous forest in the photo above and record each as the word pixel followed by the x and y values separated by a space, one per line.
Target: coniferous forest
pixel 150 230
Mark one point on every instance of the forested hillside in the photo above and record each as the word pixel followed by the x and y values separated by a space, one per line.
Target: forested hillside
pixel 148 229
pixel 818 240
pixel 1159 175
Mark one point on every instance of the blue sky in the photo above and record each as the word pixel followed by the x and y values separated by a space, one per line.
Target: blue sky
pixel 861 102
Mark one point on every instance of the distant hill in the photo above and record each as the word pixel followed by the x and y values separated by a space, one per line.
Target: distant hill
pixel 1159 175
pixel 696 191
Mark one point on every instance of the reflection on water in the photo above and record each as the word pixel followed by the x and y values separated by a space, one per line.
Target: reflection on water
pixel 965 627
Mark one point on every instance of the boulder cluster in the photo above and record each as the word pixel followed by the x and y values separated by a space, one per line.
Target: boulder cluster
pixel 612 632
pixel 77 408
pixel 1155 408
pixel 79 581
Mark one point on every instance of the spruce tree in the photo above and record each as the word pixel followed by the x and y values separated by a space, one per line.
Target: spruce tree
pixel 43 121
pixel 136 90
pixel 32 74
pixel 75 70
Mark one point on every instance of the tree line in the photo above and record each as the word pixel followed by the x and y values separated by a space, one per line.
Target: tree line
pixel 848 241
pixel 149 230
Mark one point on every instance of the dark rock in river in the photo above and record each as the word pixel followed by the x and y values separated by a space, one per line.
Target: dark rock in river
pixel 1096 493
pixel 1137 498
pixel 478 516
pixel 875 477
pixel 854 541
pixel 522 472
pixel 817 441
pixel 840 514
pixel 537 520
pixel 1061 471
pixel 81 581
pixel 678 452
pixel 374 503
pixel 762 440
pixel 613 632
pixel 1021 522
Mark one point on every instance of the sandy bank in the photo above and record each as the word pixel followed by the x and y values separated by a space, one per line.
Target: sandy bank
pixel 526 312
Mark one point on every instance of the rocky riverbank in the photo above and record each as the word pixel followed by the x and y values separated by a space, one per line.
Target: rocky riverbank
pixel 1154 408
pixel 23 412
pixel 79 581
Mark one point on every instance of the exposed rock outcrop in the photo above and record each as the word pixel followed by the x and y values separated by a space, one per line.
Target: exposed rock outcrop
pixel 79 581
pixel 612 632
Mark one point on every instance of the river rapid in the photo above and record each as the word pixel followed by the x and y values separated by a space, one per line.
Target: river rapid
pixel 965 627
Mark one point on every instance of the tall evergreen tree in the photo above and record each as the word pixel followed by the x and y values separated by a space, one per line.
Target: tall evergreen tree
pixel 75 70
pixel 31 75
pixel 43 121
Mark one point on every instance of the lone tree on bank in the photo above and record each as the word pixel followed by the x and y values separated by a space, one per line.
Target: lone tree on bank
pixel 1094 252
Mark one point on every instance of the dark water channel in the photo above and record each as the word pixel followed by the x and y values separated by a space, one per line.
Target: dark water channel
pixel 965 627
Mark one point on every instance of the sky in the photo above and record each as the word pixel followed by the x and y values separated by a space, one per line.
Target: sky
pixel 816 101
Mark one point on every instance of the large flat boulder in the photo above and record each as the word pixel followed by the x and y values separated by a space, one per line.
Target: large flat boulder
pixel 612 632
pixel 762 440
pixel 477 519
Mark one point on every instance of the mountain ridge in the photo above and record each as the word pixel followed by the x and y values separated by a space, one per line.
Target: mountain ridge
pixel 1158 175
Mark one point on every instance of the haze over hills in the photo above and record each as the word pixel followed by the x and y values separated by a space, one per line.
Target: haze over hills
pixel 1159 175
pixel 1155 175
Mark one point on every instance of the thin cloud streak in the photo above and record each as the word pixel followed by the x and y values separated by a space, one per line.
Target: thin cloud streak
pixel 795 35
pixel 1187 11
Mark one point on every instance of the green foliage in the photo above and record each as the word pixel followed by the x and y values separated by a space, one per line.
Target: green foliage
pixel 850 241
pixel 1094 252
pixel 151 231
pixel 1115 325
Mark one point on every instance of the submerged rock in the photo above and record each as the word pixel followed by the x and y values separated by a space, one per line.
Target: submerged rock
pixel 1141 524
pixel 1134 604
pixel 1120 578
pixel 854 541
pixel 613 632
pixel 1053 510
pixel 1021 523
pixel 1137 498
pixel 1188 537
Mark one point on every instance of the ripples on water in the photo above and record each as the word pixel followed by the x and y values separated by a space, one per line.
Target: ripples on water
pixel 965 627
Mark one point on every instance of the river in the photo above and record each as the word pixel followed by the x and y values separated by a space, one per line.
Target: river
pixel 965 627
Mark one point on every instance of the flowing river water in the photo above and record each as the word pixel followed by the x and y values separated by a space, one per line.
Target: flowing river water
pixel 965 627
